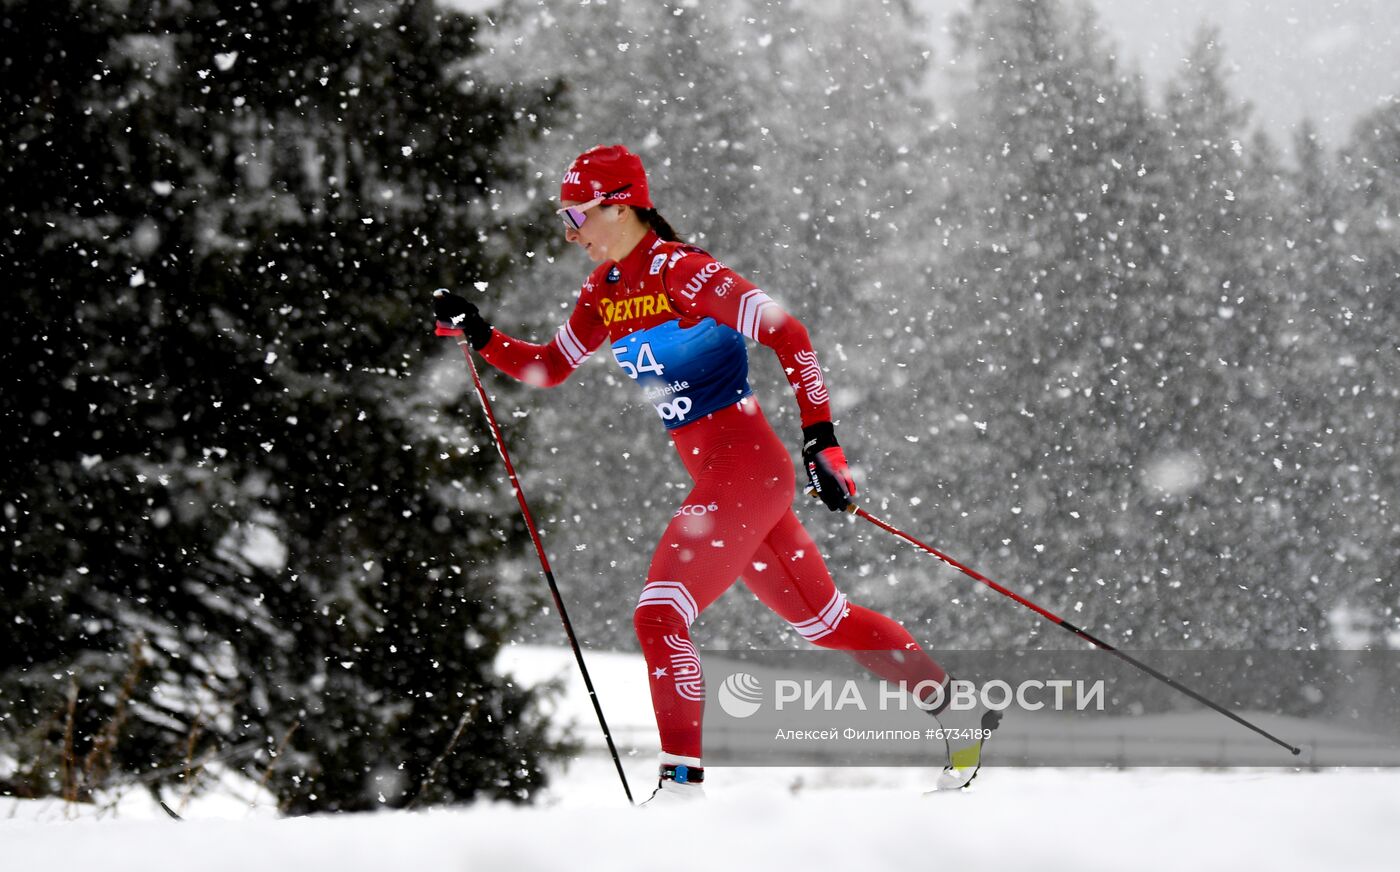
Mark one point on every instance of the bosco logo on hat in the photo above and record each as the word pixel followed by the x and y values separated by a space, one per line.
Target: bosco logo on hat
pixel 609 171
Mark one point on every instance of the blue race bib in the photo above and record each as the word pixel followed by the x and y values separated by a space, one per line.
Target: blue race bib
pixel 686 373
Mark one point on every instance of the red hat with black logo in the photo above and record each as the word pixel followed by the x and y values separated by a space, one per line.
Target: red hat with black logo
pixel 610 172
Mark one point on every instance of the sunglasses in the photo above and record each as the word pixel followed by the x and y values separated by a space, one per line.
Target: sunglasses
pixel 574 216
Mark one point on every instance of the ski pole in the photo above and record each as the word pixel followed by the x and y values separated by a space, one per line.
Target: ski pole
pixel 853 509
pixel 544 562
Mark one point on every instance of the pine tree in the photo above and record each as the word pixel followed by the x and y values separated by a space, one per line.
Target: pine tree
pixel 1051 257
pixel 1233 410
pixel 1359 306
pixel 237 519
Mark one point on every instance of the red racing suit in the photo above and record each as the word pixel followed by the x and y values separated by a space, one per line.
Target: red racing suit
pixel 668 284
pixel 676 318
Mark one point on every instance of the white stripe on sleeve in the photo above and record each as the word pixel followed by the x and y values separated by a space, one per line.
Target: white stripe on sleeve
pixel 573 350
pixel 751 308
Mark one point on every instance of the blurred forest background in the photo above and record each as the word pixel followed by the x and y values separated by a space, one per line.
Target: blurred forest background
pixel 1111 344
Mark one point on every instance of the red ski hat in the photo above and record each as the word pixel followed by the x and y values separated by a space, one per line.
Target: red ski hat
pixel 609 171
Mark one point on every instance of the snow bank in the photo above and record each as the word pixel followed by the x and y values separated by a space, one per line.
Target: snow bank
pixel 769 819
pixel 761 818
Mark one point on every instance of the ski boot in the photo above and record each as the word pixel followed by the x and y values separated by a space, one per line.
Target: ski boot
pixel 681 781
pixel 966 730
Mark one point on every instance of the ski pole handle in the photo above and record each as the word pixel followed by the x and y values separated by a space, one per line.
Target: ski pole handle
pixel 850 506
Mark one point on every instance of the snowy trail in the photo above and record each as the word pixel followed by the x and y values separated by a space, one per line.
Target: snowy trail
pixel 759 817
pixel 839 819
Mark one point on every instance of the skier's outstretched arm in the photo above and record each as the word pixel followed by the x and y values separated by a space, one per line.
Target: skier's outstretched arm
pixel 543 365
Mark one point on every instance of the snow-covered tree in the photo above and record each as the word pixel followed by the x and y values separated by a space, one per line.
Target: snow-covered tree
pixel 1050 251
pixel 1357 299
pixel 234 524
pixel 1120 280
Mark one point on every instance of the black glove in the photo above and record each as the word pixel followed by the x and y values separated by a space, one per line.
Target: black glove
pixel 456 315
pixel 826 467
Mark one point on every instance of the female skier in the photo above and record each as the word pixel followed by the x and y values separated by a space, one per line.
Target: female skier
pixel 675 319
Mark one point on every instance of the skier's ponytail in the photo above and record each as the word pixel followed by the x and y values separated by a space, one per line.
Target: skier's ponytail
pixel 660 226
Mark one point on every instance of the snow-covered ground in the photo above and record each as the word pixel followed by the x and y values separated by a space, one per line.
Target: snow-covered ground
pixel 764 818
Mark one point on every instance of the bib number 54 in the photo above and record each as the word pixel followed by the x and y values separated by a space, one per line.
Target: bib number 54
pixel 646 361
